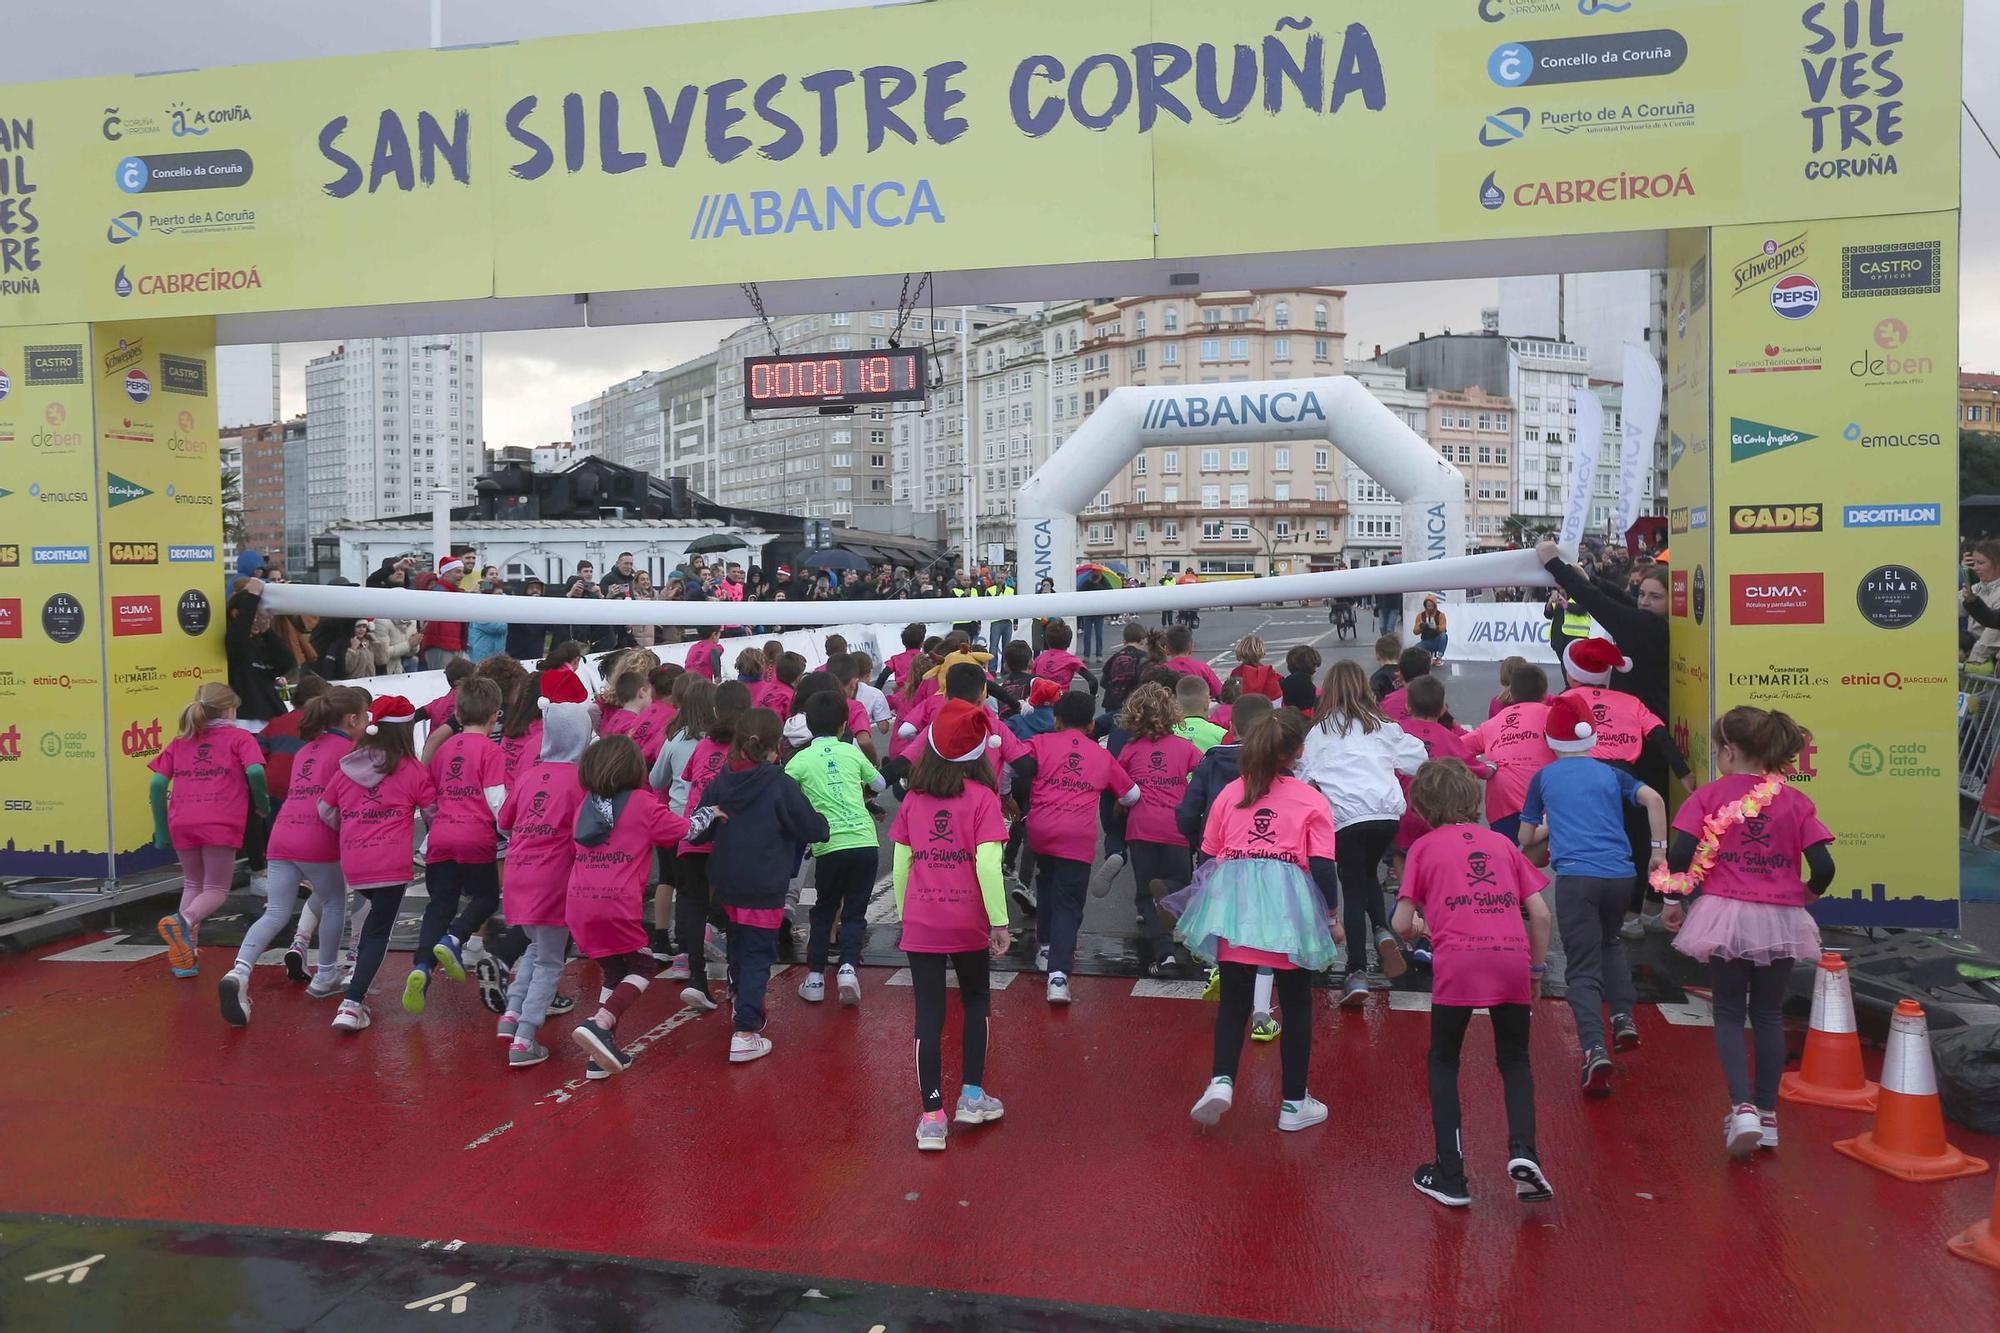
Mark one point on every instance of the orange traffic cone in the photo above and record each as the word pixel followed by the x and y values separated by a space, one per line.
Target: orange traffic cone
pixel 1830 1074
pixel 1908 1138
pixel 1980 1242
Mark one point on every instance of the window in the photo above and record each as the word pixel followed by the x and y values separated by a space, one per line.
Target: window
pixel 877 320
pixel 1139 324
pixel 1139 531
pixel 1322 531
pixel 1239 532
pixel 1170 319
pixel 1281 349
pixel 1319 494
pixel 1211 460
pixel 1486 421
pixel 1485 453
pixel 1211 530
pixel 1138 358
pixel 1239 314
pixel 1282 531
pixel 1211 497
pixel 1239 349
pixel 1319 316
pixel 1170 495
pixel 1282 316
pixel 1170 463
pixel 1319 460
pixel 1138 495
pixel 1170 355
pixel 1500 454
pixel 1282 492
pixel 878 460
pixel 1170 531
pixel 1281 460
pixel 1211 316
pixel 1211 349
pixel 1239 497
pixel 1139 466
pixel 1322 349
pixel 1239 460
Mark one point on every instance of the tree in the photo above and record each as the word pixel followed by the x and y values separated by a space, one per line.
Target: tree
pixel 233 530
pixel 1978 464
pixel 1520 530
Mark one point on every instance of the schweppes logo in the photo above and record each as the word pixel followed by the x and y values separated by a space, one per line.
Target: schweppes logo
pixel 1747 519
pixel 133 553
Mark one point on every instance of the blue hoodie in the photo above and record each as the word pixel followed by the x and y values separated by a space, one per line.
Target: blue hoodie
pixel 247 565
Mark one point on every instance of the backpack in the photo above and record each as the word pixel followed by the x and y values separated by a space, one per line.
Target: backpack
pixel 1121 675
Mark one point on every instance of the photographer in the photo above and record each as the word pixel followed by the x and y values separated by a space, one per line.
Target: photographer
pixel 597 638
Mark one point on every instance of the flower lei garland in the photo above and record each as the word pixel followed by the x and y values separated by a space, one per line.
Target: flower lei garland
pixel 1713 830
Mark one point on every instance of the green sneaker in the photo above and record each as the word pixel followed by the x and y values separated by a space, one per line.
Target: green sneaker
pixel 1263 1027
pixel 446 953
pixel 414 988
pixel 1213 989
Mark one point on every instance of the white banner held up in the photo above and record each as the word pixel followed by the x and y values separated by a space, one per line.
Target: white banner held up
pixel 1582 468
pixel 1496 631
pixel 1640 410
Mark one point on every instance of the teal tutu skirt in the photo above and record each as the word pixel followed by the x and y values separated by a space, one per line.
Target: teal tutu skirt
pixel 1257 904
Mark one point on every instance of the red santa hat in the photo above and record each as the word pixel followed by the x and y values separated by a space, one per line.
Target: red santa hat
pixel 959 733
pixel 1569 726
pixel 387 710
pixel 1042 691
pixel 1591 661
pixel 450 565
pixel 563 686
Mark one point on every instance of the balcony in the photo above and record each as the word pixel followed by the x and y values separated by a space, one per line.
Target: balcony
pixel 1256 508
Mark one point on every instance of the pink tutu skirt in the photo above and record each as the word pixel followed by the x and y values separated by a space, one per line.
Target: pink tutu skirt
pixel 1759 933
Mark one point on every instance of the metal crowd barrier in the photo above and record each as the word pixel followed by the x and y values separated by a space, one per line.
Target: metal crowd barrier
pixel 1978 740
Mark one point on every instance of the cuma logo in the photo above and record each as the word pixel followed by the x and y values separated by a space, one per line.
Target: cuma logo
pixel 1491 196
pixel 121 284
pixel 1754 439
pixel 121 491
pixel 1794 296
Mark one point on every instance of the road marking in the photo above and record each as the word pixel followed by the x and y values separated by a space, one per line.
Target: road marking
pixel 1146 988
pixel 349 1237
pixel 673 1022
pixel 455 1299
pixel 489 1136
pixel 69 1274
pixel 1410 1001
pixel 998 981
pixel 1696 1013
pixel 110 950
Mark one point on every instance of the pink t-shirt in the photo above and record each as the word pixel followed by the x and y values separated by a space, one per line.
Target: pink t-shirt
pixel 1057 664
pixel 298 833
pixel 617 722
pixel 208 801
pixel 1469 882
pixel 899 666
pixel 1009 749
pixel 1293 823
pixel 1440 742
pixel 1070 769
pixel 1622 722
pixel 1221 715
pixel 517 752
pixel 1758 861
pixel 772 695
pixel 702 766
pixel 857 717
pixel 1161 769
pixel 1188 666
pixel 702 657
pixel 943 911
pixel 1396 704
pixel 378 824
pixel 607 881
pixel 1515 740
pixel 462 829
pixel 649 728
pixel 540 814
pixel 439 709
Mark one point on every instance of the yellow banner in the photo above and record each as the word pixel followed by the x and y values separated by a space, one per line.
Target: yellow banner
pixel 1835 468
pixel 52 737
pixel 160 513
pixel 960 136
pixel 1691 534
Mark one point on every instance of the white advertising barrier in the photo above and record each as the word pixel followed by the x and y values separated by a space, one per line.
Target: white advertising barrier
pixel 1496 631
pixel 1500 569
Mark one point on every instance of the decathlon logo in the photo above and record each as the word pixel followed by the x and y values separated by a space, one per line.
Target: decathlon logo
pixel 1242 409
pixel 835 208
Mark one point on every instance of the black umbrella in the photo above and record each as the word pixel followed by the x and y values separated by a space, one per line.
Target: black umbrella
pixel 715 542
pixel 842 560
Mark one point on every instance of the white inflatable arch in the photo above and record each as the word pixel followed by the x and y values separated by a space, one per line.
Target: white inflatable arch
pixel 1332 410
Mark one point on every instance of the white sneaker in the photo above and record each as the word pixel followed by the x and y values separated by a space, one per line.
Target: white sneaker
pixel 1217 1097
pixel 260 884
pixel 1058 988
pixel 696 998
pixel 1741 1130
pixel 235 996
pixel 848 982
pixel 1302 1114
pixel 326 985
pixel 352 1016
pixel 1042 959
pixel 1107 870
pixel 1768 1124
pixel 813 989
pixel 747 1046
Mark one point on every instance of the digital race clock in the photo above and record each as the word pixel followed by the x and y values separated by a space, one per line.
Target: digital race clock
pixel 834 379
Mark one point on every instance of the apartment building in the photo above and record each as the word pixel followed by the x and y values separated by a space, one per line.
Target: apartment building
pixel 387 421
pixel 1025 371
pixel 1474 431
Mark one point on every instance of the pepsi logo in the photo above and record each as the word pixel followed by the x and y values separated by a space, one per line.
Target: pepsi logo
pixel 1794 296
pixel 5 384
pixel 137 386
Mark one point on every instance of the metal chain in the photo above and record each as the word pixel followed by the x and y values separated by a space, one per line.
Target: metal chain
pixel 906 305
pixel 756 300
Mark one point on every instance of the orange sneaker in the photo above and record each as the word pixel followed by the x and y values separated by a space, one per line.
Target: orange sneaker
pixel 181 954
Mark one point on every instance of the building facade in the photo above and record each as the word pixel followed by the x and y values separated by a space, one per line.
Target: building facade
pixel 1979 403
pixel 387 421
pixel 1024 371
pixel 298 534
pixel 1374 525
pixel 687 408
pixel 1474 431
pixel 260 484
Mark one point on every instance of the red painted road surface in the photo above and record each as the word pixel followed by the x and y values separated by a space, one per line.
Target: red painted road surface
pixel 125 1096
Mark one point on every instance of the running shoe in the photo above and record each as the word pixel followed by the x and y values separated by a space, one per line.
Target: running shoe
pixel 1394 964
pixel 1304 1113
pixel 848 982
pixel 979 1110
pixel 445 951
pixel 1624 1033
pixel 1742 1130
pixel 1042 958
pixel 813 989
pixel 1632 929
pixel 677 970
pixel 1530 1184
pixel 932 1132
pixel 598 1043
pixel 523 1054
pixel 1450 1191
pixel 235 995
pixel 597 1072
pixel 1263 1027
pixel 1023 898
pixel 295 963
pixel 1215 1099
pixel 509 1025
pixel 697 998
pixel 326 985
pixel 492 983
pixel 1376 981
pixel 1596 1073
pixel 1211 989
pixel 1354 991
pixel 1768 1123
pixel 353 1016
pixel 562 1004
pixel 1058 988
pixel 180 945
pixel 1107 870
pixel 747 1046
pixel 415 987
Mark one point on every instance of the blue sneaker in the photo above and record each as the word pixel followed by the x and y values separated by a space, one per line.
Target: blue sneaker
pixel 445 951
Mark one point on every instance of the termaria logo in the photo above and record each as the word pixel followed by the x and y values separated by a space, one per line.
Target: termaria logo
pixel 135 615
pixel 1747 519
pixel 140 740
pixel 1777 599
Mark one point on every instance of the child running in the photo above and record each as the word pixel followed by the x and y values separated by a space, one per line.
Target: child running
pixel 1251 671
pixel 539 816
pixel 1514 740
pixel 1159 762
pixel 1179 642
pixel 1264 899
pixel 461 858
pixel 617 827
pixel 304 851
pixel 761 818
pixel 692 895
pixel 204 783
pixel 1735 865
pixel 835 776
pixel 948 835
pixel 1056 662
pixel 1472 886
pixel 1195 701
pixel 1577 806
pixel 1297 690
pixel 372 802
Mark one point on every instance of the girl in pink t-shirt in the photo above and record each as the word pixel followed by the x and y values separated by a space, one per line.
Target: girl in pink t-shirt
pixel 1158 762
pixel 1440 741
pixel 372 802
pixel 704 657
pixel 692 894
pixel 204 784
pixel 1472 886
pixel 304 851
pixel 949 837
pixel 631 696
pixel 1515 741
pixel 1066 770
pixel 1265 897
pixel 1748 918
pixel 462 849
pixel 618 825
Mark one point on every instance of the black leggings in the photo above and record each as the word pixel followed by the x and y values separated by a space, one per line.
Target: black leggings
pixel 691 917
pixel 927 980
pixel 1294 987
pixel 1357 851
pixel 373 945
pixel 1510 1047
pixel 1737 981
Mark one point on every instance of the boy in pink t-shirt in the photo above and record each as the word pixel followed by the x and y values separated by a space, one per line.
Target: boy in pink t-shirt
pixel 1056 662
pixel 1515 741
pixel 1182 662
pixel 462 851
pixel 1067 769
pixel 204 783
pixel 1426 700
pixel 1472 887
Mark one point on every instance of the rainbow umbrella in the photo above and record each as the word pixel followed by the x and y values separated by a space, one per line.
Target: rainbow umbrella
pixel 1111 576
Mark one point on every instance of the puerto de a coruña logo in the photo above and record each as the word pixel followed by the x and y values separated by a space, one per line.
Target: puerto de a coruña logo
pixel 1491 196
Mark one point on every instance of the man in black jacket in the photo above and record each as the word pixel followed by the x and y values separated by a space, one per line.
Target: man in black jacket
pixel 527 643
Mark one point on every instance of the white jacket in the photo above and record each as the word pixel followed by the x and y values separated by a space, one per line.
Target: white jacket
pixel 1356 770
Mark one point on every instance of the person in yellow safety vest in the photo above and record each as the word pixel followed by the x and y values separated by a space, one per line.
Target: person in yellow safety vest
pixel 961 586
pixel 1003 630
pixel 1566 622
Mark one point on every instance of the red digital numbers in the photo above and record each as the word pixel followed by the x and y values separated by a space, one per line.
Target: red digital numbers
pixel 848 378
pixel 776 380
